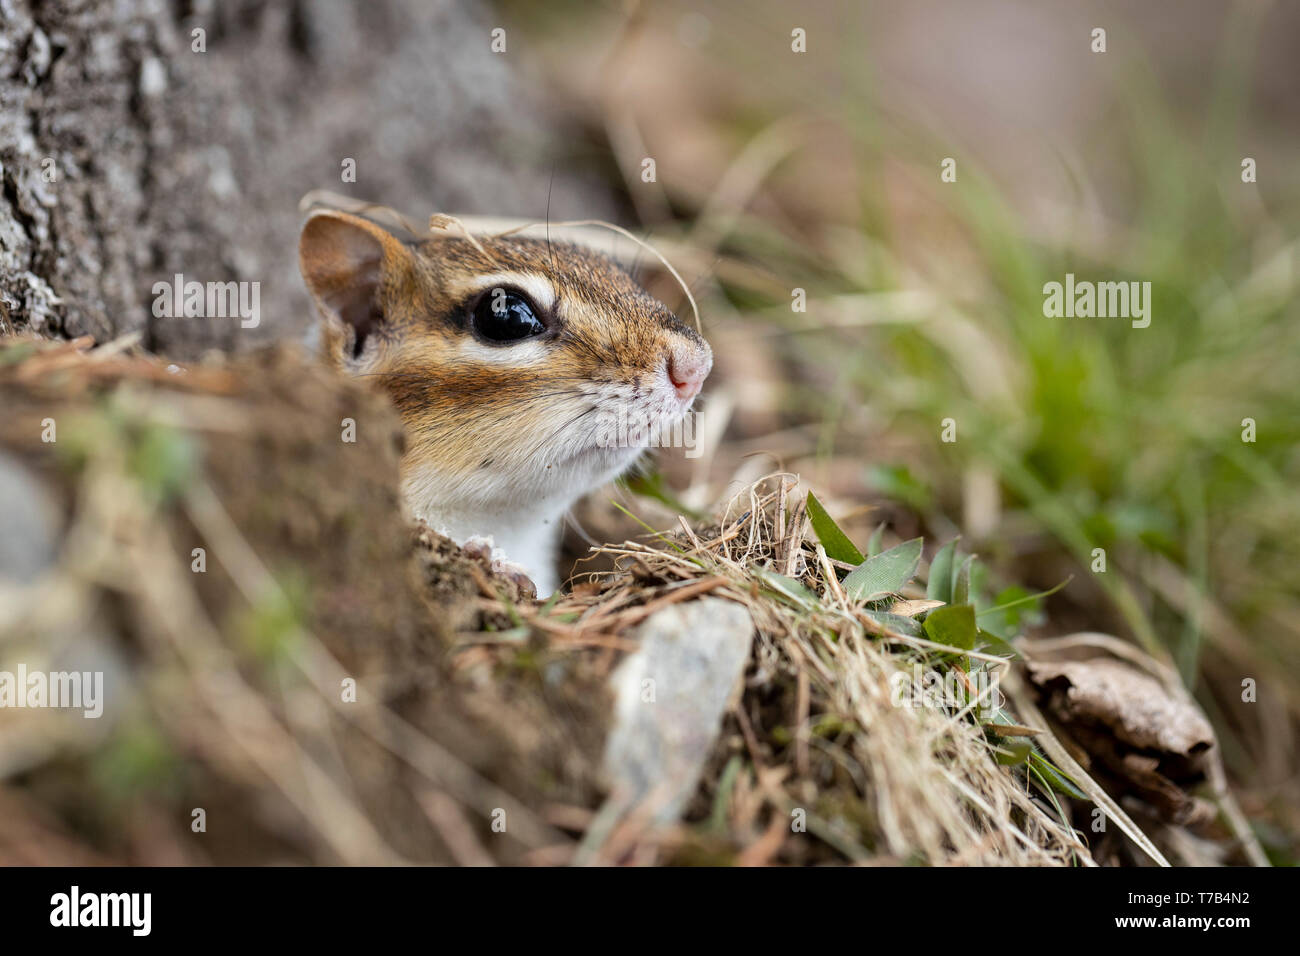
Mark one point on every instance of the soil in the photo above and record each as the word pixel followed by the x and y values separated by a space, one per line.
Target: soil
pixel 392 603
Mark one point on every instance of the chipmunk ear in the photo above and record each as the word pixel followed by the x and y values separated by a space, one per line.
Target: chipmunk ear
pixel 346 261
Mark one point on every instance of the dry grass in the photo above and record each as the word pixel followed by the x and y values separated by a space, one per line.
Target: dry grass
pixel 817 728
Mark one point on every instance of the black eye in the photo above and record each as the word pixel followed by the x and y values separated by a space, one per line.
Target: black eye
pixel 506 316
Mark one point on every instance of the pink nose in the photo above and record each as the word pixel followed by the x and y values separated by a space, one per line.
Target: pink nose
pixel 688 367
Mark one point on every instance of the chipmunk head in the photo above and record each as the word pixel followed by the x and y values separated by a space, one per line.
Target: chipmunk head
pixel 512 361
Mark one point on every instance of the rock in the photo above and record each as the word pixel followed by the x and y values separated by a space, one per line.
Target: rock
pixel 28 523
pixel 670 696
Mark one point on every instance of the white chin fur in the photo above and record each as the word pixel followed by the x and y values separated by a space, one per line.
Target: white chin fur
pixel 522 514
pixel 522 507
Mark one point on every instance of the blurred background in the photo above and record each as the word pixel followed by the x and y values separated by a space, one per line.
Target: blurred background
pixel 821 171
pixel 783 176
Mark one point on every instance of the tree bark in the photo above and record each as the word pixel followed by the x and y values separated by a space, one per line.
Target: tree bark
pixel 143 140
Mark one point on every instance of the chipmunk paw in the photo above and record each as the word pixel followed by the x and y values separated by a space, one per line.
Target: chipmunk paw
pixel 483 548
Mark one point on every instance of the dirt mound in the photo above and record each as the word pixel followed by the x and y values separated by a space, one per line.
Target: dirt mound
pixel 229 547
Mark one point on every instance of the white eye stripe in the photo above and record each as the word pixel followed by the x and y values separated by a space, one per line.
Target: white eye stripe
pixel 537 287
pixel 514 354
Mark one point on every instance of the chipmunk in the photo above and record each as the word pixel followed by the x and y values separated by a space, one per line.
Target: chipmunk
pixel 507 357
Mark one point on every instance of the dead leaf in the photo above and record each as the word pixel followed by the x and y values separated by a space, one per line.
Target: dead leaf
pixel 913 608
pixel 1128 723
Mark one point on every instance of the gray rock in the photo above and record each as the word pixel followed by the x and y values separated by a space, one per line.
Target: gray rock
pixel 670 697
pixel 29 523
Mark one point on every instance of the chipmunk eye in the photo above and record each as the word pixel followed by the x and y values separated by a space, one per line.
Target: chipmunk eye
pixel 505 316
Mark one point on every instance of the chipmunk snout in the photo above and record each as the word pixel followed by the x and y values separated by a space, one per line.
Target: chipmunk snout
pixel 688 367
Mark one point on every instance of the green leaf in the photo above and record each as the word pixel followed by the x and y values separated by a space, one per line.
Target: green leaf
pixel 873 546
pixel 271 628
pixel 787 587
pixel 652 485
pixel 952 626
pixel 1013 750
pixel 163 460
pixel 137 757
pixel 1006 617
pixel 15 352
pixel 1009 599
pixel 836 542
pixel 887 573
pixel 939 587
pixel 898 482
pixel 961 584
pixel 722 799
pixel 896 622
pixel 993 644
pixel 661 535
pixel 1055 776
